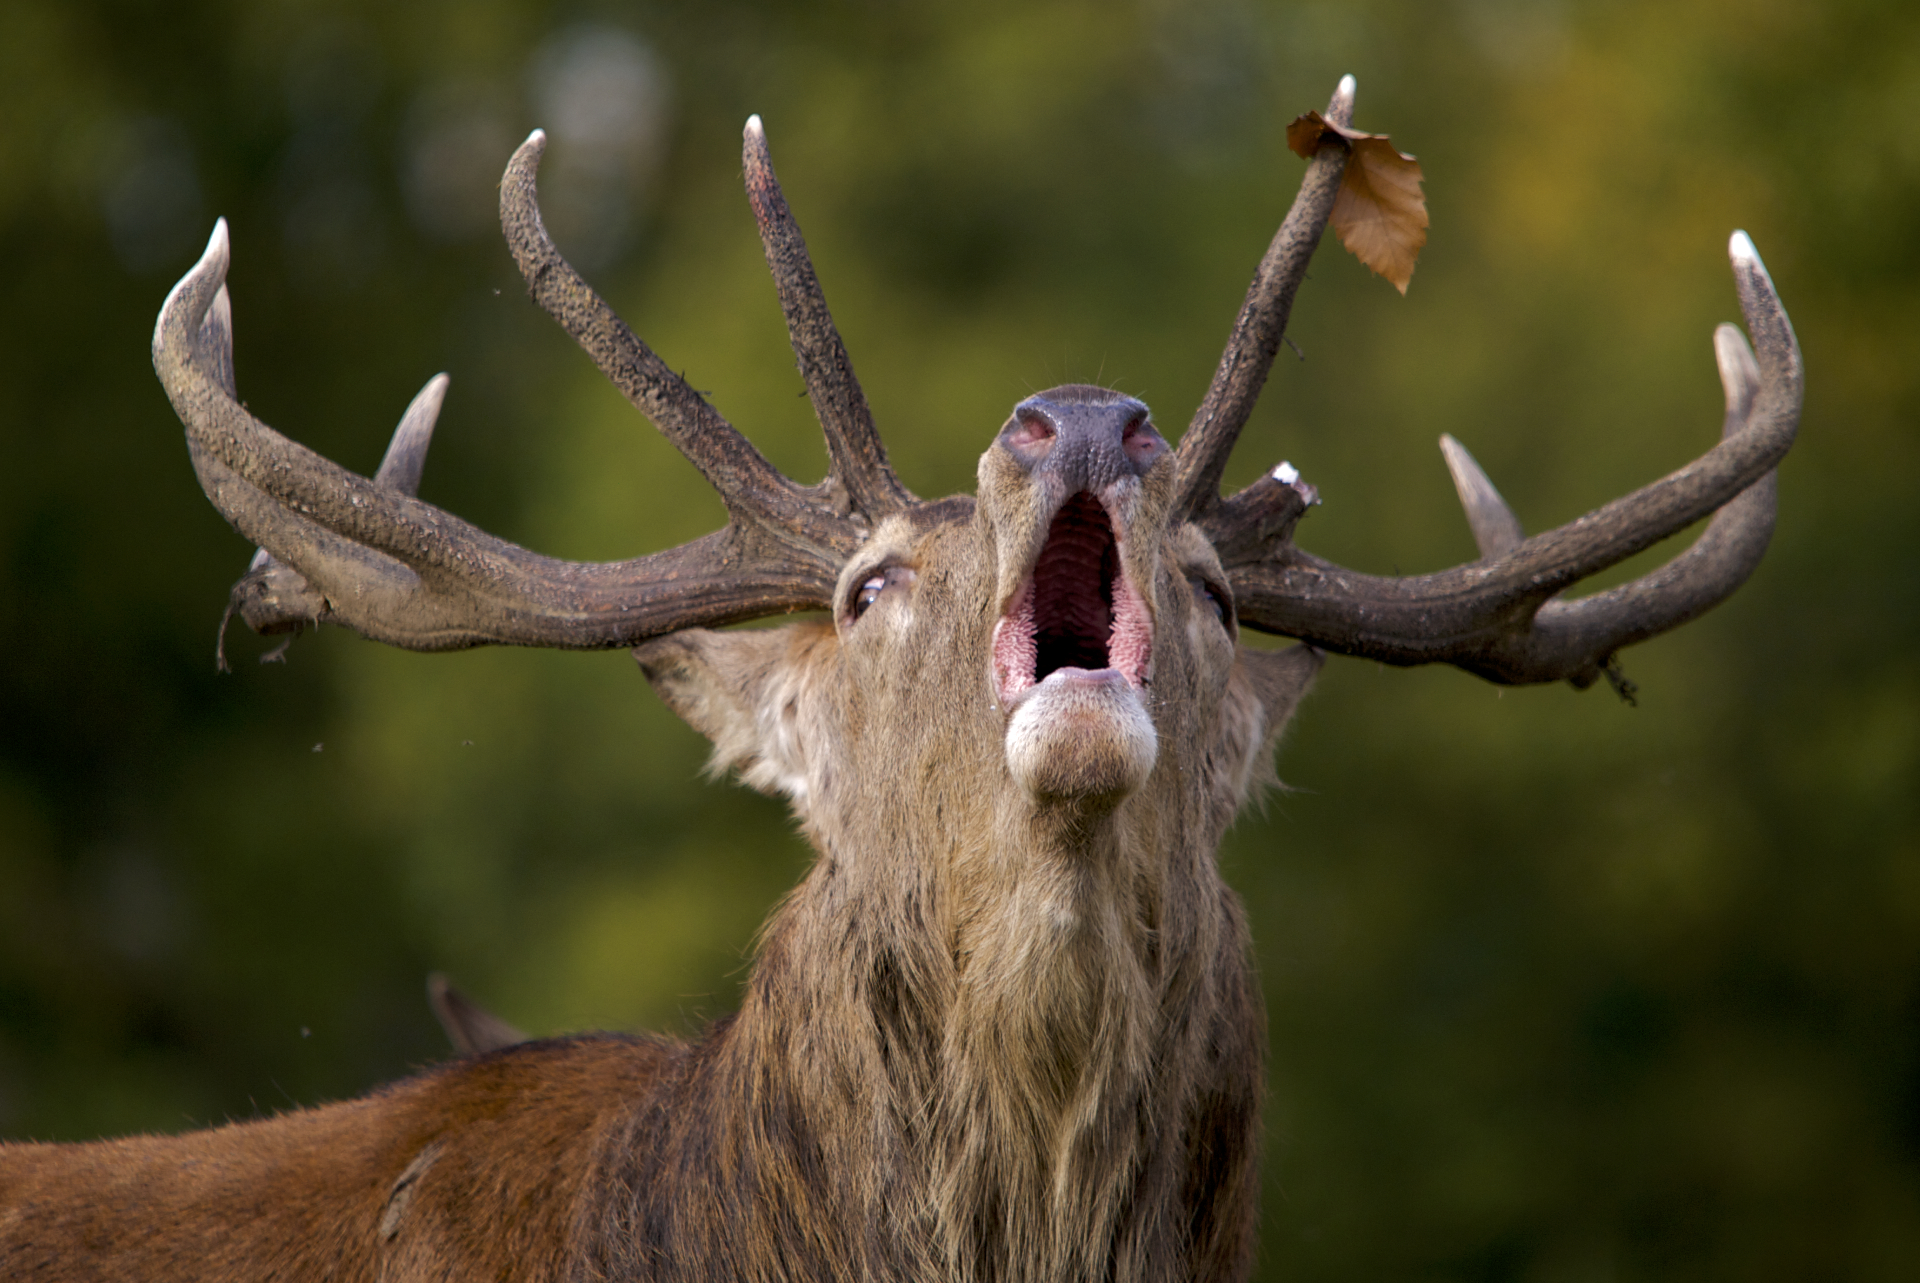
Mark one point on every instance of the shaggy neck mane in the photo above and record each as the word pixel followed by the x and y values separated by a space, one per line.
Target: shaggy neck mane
pixel 989 1104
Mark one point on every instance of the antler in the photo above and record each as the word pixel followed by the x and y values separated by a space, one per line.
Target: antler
pixel 336 545
pixel 1262 323
pixel 1496 617
pixel 859 458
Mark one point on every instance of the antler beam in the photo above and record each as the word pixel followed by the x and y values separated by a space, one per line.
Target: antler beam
pixel 366 553
pixel 1496 617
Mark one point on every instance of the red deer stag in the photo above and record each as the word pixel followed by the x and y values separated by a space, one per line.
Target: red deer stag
pixel 1005 1029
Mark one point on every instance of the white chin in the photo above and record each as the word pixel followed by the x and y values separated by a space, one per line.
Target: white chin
pixel 1081 734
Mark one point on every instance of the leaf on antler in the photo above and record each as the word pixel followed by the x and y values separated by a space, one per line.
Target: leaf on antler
pixel 1380 215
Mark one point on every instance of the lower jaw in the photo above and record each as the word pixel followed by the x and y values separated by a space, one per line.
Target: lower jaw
pixel 1081 734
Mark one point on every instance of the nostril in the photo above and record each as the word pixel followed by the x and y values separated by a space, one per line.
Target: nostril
pixel 1142 444
pixel 1028 434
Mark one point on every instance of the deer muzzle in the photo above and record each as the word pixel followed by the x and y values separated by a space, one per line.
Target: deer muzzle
pixel 1073 648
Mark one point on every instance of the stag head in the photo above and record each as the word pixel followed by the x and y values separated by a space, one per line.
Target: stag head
pixel 1010 1001
pixel 1060 650
pixel 1064 626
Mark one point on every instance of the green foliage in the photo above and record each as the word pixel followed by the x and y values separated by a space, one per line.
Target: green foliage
pixel 1558 989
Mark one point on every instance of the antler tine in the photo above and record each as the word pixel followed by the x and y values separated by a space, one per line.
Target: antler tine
pixel 1494 618
pixel 1495 529
pixel 751 487
pixel 859 457
pixel 406 454
pixel 273 597
pixel 1720 560
pixel 1262 322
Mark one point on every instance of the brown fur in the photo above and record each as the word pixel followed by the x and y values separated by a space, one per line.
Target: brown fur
pixel 396 1185
pixel 1000 1031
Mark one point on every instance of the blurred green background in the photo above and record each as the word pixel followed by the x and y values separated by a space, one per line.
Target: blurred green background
pixel 1559 989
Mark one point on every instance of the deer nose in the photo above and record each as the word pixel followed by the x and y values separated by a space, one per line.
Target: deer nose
pixel 1082 439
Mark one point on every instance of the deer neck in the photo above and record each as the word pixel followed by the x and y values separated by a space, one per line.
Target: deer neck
pixel 979 1047
pixel 1053 930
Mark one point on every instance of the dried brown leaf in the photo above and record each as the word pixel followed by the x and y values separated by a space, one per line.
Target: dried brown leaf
pixel 1303 135
pixel 1379 213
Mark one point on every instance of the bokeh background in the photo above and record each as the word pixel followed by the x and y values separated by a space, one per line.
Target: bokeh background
pixel 1559 989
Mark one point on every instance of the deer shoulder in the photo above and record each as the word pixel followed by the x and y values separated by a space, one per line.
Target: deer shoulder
pixel 478 1168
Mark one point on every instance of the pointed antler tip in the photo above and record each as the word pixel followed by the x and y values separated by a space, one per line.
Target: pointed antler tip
pixel 528 153
pixel 1340 107
pixel 425 406
pixel 1495 529
pixel 1457 455
pixel 1739 372
pixel 1729 341
pixel 433 392
pixel 1747 262
pixel 753 148
pixel 756 157
pixel 212 263
pixel 215 257
pixel 406 455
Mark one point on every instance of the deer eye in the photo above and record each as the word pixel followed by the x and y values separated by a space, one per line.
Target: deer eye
pixel 875 585
pixel 1210 598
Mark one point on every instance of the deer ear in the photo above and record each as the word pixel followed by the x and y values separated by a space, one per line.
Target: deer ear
pixel 1262 693
pixel 747 691
pixel 1280 678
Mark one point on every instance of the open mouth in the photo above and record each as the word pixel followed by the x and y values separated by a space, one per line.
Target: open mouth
pixel 1076 612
